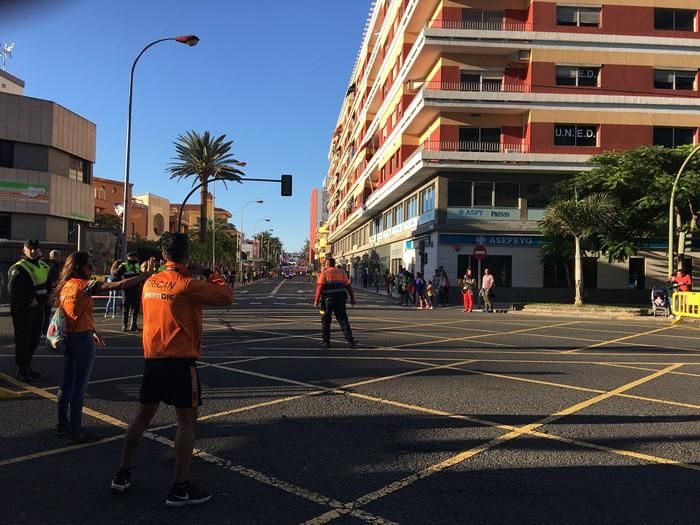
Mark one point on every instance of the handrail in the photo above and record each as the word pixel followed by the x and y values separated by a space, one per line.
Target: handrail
pixel 485 86
pixel 474 146
pixel 480 25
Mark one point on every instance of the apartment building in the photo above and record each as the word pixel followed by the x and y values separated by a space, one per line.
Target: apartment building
pixel 461 115
pixel 46 158
pixel 318 215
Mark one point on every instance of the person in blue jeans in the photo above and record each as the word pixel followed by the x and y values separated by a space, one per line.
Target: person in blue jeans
pixel 75 293
pixel 113 294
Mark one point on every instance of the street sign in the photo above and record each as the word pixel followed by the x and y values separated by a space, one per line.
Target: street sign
pixel 479 252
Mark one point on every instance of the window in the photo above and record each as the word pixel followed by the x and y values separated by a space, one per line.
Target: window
pixel 637 271
pixel 7 154
pixel 578 16
pixel 575 135
pixel 398 214
pixel 577 76
pixel 500 266
pixel 387 220
pixel 537 196
pixel 670 79
pixel 427 200
pixel 507 195
pixel 483 194
pixel 459 194
pixel 100 193
pixel 77 169
pixel 480 80
pixel 673 137
pixel 674 19
pixel 481 19
pixel 5 226
pixel 480 139
pixel 412 207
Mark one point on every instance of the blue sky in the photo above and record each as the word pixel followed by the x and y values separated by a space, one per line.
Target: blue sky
pixel 270 74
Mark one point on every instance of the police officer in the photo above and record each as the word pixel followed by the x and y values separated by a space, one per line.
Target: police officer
pixel 132 296
pixel 332 289
pixel 29 292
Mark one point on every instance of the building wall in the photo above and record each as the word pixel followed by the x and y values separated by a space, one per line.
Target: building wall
pixel 113 193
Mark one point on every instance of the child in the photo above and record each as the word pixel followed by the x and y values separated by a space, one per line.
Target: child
pixel 429 292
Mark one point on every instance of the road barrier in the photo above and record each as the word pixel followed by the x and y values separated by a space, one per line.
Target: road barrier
pixel 686 304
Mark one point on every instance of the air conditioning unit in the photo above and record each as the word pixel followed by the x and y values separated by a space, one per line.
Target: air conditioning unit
pixel 524 55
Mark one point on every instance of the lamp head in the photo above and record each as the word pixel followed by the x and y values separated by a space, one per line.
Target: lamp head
pixel 259 202
pixel 190 40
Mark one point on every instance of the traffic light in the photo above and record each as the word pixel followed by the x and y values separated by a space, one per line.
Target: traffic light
pixel 685 242
pixel 286 185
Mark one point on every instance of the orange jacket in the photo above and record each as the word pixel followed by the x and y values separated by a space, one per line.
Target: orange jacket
pixel 333 282
pixel 172 311
pixel 76 303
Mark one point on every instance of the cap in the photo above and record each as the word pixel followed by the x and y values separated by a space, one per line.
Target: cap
pixel 134 255
pixel 31 243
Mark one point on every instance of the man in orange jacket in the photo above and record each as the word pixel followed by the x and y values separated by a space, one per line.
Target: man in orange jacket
pixel 332 289
pixel 172 344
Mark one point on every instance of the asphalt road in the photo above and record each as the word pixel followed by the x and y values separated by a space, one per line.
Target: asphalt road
pixel 436 417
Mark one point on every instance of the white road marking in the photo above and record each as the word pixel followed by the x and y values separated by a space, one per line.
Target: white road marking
pixel 274 292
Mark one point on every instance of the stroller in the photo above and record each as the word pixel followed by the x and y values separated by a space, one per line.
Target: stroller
pixel 659 302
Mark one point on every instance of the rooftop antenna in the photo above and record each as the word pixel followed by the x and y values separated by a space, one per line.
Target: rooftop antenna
pixel 6 51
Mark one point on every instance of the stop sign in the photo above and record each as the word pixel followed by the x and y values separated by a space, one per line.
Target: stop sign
pixel 479 252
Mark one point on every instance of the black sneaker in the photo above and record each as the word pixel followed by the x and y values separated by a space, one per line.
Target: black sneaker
pixel 353 343
pixel 62 429
pixel 80 437
pixel 121 480
pixel 325 344
pixel 24 376
pixel 189 494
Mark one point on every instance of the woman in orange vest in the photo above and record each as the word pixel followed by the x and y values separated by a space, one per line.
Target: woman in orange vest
pixel 74 294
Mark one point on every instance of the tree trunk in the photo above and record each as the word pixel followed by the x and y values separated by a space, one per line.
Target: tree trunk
pixel 203 202
pixel 578 272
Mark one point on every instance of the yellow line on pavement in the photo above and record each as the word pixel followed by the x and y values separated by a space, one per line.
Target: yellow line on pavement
pixel 623 365
pixel 559 385
pixel 618 340
pixel 467 454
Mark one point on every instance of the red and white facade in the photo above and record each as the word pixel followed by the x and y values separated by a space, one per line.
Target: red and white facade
pixel 460 116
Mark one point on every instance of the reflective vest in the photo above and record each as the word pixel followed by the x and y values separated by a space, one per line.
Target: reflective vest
pixel 131 269
pixel 39 273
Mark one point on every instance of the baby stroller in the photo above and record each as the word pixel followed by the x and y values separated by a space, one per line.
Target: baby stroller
pixel 659 302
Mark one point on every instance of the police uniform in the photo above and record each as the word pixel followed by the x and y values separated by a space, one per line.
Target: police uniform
pixel 29 293
pixel 333 288
pixel 132 296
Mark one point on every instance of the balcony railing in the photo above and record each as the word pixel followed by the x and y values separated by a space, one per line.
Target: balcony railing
pixel 484 86
pixel 474 146
pixel 480 25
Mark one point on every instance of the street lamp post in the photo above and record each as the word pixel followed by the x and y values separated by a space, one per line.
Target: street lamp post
pixel 671 208
pixel 240 246
pixel 190 40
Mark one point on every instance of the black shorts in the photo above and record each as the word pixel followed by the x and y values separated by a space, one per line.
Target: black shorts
pixel 172 381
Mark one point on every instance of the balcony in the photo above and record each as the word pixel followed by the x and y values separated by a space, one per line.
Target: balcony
pixel 474 146
pixel 486 86
pixel 480 25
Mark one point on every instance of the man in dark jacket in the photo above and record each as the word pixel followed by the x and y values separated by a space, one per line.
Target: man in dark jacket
pixel 332 290
pixel 132 296
pixel 28 285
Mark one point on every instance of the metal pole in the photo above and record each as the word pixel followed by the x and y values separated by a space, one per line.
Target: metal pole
pixel 213 228
pixel 127 196
pixel 671 209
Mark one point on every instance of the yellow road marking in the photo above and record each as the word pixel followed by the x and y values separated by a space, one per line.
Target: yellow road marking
pixel 618 340
pixel 559 385
pixel 622 365
pixel 244 471
pixel 467 454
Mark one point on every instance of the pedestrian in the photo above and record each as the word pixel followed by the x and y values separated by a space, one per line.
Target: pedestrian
pixel 114 295
pixel 682 282
pixel 444 288
pixel 437 278
pixel 54 262
pixel 28 284
pixel 420 292
pixel 487 285
pixel 388 280
pixel 429 294
pixel 469 287
pixel 365 278
pixel 376 280
pixel 332 290
pixel 132 296
pixel 172 345
pixel 74 296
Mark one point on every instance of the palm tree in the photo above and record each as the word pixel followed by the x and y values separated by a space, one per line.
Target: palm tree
pixel 202 157
pixel 580 219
